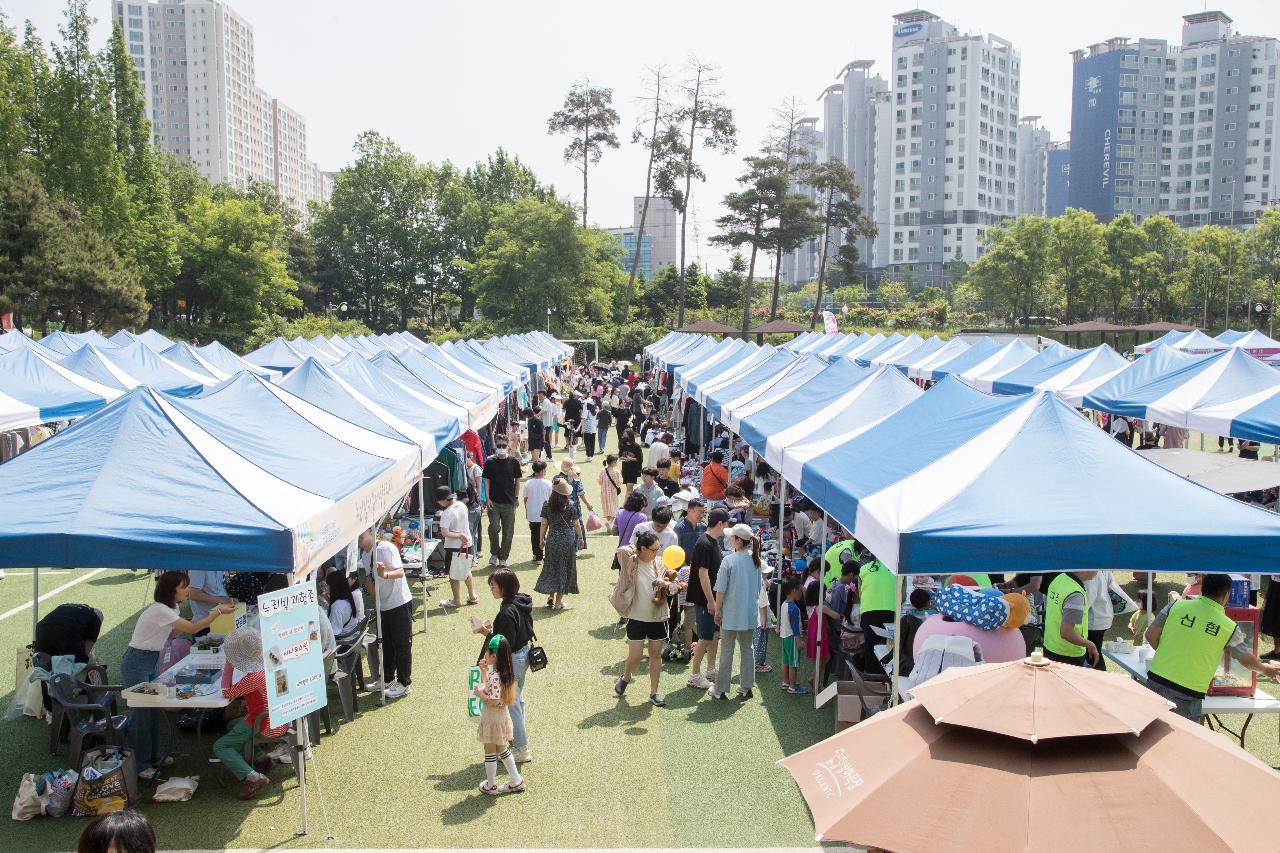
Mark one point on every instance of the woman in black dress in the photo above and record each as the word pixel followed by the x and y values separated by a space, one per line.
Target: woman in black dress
pixel 632 460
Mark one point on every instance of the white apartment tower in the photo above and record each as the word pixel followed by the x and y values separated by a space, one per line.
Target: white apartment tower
pixel 195 66
pixel 807 147
pixel 1033 153
pixel 954 142
pixel 662 224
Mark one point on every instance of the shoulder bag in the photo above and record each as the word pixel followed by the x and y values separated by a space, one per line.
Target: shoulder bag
pixel 537 655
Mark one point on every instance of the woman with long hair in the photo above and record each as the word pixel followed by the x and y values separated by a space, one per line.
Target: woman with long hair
pixel 632 457
pixel 344 612
pixel 647 615
pixel 561 539
pixel 514 621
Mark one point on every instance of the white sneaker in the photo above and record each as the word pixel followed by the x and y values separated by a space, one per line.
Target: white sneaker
pixel 502 564
pixel 523 756
pixel 493 560
pixel 395 690
pixel 699 681
pixel 373 686
pixel 711 675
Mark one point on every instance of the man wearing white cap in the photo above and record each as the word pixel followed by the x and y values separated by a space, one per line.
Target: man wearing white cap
pixel 737 601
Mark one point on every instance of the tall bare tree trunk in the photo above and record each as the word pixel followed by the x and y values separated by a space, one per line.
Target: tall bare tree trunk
pixel 648 187
pixel 751 274
pixel 688 186
pixel 822 260
pixel 585 152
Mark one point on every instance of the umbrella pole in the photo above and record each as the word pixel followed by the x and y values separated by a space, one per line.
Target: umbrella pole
pixel 897 635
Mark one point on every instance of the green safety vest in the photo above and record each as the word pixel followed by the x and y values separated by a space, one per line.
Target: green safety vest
pixel 1063 585
pixel 981 577
pixel 1194 636
pixel 879 586
pixel 832 559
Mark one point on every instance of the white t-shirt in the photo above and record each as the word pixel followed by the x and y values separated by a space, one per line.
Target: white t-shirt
pixel 391 593
pixel 536 492
pixel 818 532
pixel 666 538
pixel 801 524
pixel 657 452
pixel 153 627
pixel 550 414
pixel 454 517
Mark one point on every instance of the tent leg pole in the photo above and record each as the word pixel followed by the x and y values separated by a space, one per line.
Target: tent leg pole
pixel 897 635
pixel 782 500
pixel 300 762
pixel 1151 604
pixel 35 602
pixel 422 535
pixel 822 619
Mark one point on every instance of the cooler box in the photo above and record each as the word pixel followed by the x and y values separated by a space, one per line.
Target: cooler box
pixel 1232 678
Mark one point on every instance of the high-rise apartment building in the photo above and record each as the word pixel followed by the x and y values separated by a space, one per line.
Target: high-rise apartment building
pixel 808 146
pixel 661 244
pixel 195 66
pixel 955 141
pixel 1057 178
pixel 1181 130
pixel 934 148
pixel 1033 155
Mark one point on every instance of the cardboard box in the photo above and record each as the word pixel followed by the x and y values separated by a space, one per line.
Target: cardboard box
pixel 854 702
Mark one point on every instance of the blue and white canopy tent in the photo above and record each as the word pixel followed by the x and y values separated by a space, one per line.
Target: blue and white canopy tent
pixel 305 348
pixel 863 355
pixel 150 337
pixel 1009 356
pixel 185 355
pixel 471 350
pixel 1158 362
pixel 849 344
pixel 885 353
pixel 773 417
pixel 230 363
pixel 1070 377
pixel 143 485
pixel 93 336
pixel 388 365
pixel 979 351
pixel 694 350
pixel 481 401
pixel 765 394
pixel 36 389
pixel 412 402
pixel 1229 336
pixel 723 354
pixel 142 367
pixel 14 340
pixel 278 355
pixel 1040 363
pixel 828 344
pixel 744 361
pixel 1224 378
pixel 662 343
pixel 475 370
pixel 763 368
pixel 61 343
pixel 801 341
pixel 943 354
pixel 326 346
pixel 902 359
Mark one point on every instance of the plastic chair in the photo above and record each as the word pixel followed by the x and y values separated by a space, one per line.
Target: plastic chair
pixel 259 739
pixel 349 666
pixel 93 675
pixel 90 720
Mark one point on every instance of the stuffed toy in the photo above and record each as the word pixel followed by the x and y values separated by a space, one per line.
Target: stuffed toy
pixel 980 608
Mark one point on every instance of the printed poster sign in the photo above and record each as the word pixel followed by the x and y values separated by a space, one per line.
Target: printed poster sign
pixel 829 323
pixel 474 702
pixel 292 657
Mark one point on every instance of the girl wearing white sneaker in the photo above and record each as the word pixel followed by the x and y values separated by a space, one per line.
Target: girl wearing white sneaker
pixel 497 690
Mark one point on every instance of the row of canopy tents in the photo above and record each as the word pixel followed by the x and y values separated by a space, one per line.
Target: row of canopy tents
pixel 1227 392
pixel 957 478
pixel 244 473
pixel 66 376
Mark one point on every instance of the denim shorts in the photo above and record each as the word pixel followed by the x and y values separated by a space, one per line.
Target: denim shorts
pixel 705 624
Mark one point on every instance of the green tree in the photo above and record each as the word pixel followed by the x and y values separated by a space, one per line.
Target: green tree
pixel 724 289
pixel 80 158
pixel 1080 258
pixel 589 118
pixel 1262 242
pixel 839 215
pixel 536 257
pixel 1015 273
pixel 1126 243
pixel 17 99
pixel 710 124
pixel 750 209
pixel 893 295
pixel 234 269
pixel 54 264
pixel 149 241
pixel 1166 247
pixel 666 150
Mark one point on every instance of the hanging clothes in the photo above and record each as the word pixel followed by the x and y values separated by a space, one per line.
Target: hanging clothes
pixel 471 441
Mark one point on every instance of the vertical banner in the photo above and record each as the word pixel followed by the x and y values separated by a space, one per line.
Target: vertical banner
pixel 292 658
pixel 474 702
pixel 829 323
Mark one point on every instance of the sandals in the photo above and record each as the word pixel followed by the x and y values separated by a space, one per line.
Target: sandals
pixel 475 599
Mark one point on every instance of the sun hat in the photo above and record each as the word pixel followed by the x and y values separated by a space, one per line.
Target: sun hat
pixel 562 487
pixel 243 649
pixel 743 532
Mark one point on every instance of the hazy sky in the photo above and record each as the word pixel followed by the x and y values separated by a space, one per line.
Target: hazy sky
pixel 454 80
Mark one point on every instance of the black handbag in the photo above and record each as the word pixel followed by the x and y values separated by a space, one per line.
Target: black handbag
pixel 537 656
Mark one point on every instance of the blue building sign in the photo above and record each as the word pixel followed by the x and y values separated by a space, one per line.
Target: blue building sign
pixel 1098 127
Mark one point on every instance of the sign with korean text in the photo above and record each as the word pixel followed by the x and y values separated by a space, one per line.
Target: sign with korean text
pixel 474 702
pixel 292 657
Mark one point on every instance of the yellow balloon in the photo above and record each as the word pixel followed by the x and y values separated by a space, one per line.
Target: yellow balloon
pixel 673 557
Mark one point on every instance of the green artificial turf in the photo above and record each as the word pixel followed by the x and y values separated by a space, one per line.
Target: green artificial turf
pixel 606 773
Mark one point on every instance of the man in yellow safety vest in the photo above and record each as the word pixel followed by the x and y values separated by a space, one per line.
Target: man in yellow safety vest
pixel 1066 621
pixel 1190 636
